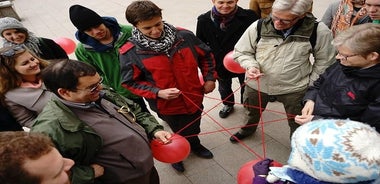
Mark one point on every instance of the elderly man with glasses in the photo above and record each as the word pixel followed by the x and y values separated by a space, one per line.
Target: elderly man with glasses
pixel 275 52
pixel 105 134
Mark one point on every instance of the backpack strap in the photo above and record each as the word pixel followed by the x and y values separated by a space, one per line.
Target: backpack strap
pixel 259 25
pixel 313 36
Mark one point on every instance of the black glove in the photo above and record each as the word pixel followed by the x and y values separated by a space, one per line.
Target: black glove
pixel 262 167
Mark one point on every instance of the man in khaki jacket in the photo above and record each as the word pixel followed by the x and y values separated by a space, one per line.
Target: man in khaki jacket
pixel 280 60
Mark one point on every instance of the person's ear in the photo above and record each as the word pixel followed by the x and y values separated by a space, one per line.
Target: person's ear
pixel 374 56
pixel 64 93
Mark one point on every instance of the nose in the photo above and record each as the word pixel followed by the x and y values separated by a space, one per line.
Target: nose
pixel 34 63
pixel 68 163
pixel 155 30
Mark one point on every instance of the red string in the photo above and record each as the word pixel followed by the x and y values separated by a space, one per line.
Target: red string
pixel 224 129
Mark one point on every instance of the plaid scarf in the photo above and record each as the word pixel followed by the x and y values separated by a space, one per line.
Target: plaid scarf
pixel 223 20
pixel 163 44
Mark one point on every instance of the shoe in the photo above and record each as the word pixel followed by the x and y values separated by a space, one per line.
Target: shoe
pixel 227 110
pixel 238 136
pixel 203 152
pixel 179 166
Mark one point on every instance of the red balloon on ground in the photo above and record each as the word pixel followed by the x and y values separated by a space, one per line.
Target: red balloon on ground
pixel 231 65
pixel 67 44
pixel 246 175
pixel 177 150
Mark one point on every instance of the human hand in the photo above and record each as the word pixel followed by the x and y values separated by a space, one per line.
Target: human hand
pixel 262 167
pixel 253 73
pixel 169 93
pixel 98 170
pixel 308 108
pixel 302 119
pixel 209 86
pixel 307 113
pixel 163 136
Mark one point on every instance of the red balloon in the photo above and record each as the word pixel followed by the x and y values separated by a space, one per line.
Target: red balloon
pixel 231 65
pixel 67 44
pixel 246 174
pixel 177 150
pixel 201 78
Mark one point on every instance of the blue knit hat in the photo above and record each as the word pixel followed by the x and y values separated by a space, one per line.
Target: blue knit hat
pixel 338 151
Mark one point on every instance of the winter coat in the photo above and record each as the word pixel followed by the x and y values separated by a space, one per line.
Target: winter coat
pixel 145 72
pixel 51 50
pixel 285 62
pixel 353 95
pixel 76 132
pixel 222 42
pixel 7 121
pixel 105 58
pixel 26 103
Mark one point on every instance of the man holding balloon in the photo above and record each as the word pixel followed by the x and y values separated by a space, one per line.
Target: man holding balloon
pixel 220 28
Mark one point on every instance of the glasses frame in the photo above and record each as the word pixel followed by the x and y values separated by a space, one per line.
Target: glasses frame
pixel 345 57
pixel 274 18
pixel 93 89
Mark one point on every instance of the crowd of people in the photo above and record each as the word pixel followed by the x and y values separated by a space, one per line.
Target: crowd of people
pixel 88 119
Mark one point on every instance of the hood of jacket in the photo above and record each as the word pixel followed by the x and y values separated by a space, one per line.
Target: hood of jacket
pixel 91 43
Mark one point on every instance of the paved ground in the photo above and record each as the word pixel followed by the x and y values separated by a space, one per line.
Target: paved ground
pixel 49 18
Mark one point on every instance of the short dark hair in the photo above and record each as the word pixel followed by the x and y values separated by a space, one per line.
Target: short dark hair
pixel 141 11
pixel 65 74
pixel 16 147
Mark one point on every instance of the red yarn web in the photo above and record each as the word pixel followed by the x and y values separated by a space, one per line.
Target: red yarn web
pixel 229 129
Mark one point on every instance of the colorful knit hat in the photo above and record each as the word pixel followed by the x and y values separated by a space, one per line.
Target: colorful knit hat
pixel 338 151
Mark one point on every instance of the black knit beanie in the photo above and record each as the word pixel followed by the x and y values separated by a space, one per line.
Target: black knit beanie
pixel 84 18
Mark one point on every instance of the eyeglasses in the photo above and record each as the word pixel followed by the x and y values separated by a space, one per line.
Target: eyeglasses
pixel 284 21
pixel 11 51
pixel 95 86
pixel 344 57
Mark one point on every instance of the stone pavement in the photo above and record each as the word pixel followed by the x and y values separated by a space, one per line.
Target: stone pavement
pixel 49 18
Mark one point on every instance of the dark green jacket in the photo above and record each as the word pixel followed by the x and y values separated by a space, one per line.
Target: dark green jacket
pixel 77 141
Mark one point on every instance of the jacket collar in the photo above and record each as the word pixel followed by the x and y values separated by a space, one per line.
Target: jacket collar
pixel 91 43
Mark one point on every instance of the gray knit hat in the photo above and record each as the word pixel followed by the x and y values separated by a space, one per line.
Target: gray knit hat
pixel 10 23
